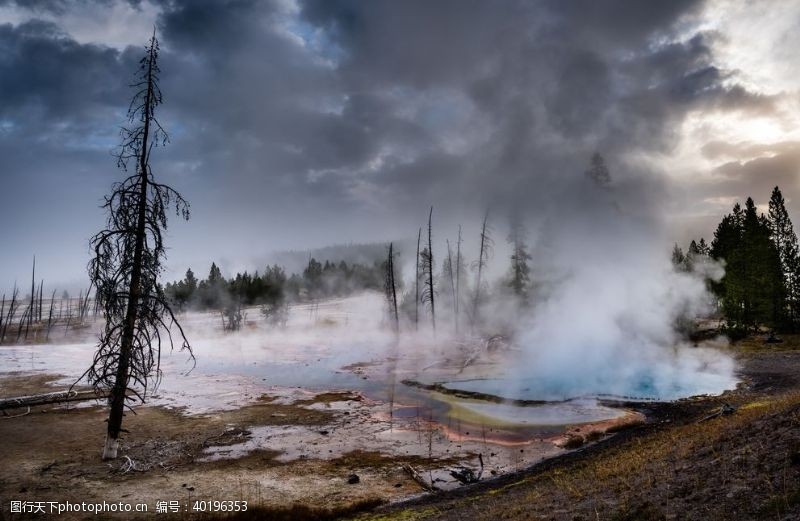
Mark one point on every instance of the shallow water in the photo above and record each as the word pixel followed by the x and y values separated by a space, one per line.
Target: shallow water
pixel 641 388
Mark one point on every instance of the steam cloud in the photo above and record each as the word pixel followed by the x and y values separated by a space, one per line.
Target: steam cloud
pixel 607 322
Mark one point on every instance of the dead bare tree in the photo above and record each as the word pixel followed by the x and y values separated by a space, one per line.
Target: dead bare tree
pixel 232 316
pixel 416 284
pixel 83 302
pixel 127 262
pixel 391 289
pixel 449 273
pixel 459 263
pixel 24 322
pixel 480 264
pixel 426 261
pixel 50 316
pixel 31 311
pixel 12 310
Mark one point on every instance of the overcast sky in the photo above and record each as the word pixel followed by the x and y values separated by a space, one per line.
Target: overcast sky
pixel 299 123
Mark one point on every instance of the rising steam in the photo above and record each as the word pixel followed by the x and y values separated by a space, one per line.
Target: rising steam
pixel 605 323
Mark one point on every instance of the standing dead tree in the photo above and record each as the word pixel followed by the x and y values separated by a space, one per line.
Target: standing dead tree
pixel 391 289
pixel 50 316
pixel 232 316
pixel 12 309
pixel 459 264
pixel 426 261
pixel 32 308
pixel 126 263
pixel 479 265
pixel 41 294
pixel 449 273
pixel 416 284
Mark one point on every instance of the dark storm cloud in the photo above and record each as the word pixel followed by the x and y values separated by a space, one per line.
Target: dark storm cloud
pixel 47 75
pixel 348 109
pixel 552 81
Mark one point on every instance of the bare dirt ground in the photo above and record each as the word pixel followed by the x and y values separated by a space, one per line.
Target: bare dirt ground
pixel 52 454
pixel 743 465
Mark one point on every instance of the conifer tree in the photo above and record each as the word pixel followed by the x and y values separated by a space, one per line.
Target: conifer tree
pixel 678 258
pixel 752 291
pixel 785 240
pixel 520 271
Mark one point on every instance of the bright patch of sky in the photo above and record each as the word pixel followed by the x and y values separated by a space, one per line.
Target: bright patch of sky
pixel 115 24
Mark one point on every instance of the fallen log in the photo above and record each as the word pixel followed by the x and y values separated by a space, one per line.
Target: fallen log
pixel 49 398
pixel 422 482
pixel 725 410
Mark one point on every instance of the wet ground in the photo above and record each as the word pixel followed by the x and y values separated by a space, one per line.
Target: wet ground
pixel 289 415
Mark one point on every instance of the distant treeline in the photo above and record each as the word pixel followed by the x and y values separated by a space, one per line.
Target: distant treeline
pixel 761 285
pixel 273 286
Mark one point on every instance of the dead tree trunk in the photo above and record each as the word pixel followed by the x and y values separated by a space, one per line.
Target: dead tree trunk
pixel 24 322
pixel 50 316
pixel 452 283
pixel 117 397
pixel 127 261
pixel 39 309
pixel 33 297
pixel 458 277
pixel 391 290
pixel 431 292
pixel 416 285
pixel 48 398
pixel 428 294
pixel 11 312
pixel 481 263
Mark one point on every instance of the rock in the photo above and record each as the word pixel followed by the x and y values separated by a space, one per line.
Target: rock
pixel 352 479
pixel 570 441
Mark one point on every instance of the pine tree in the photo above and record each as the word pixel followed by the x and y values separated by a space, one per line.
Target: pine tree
pixel 191 283
pixel 520 271
pixel 785 240
pixel 752 291
pixel 764 276
pixel 678 258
